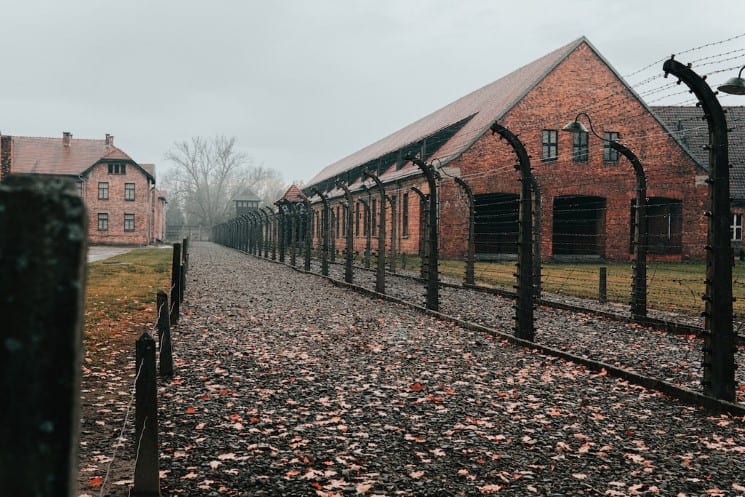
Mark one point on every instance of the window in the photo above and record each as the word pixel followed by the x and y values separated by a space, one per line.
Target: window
pixel 664 225
pixel 405 215
pixel 129 222
pixel 366 220
pixel 735 229
pixel 580 147
pixel 103 190
pixel 338 221
pixel 80 188
pixel 117 168
pixel 357 219
pixel 609 154
pixel 103 221
pixel 374 214
pixel 129 191
pixel 550 145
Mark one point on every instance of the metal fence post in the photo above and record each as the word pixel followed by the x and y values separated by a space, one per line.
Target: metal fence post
pixel 719 337
pixel 433 273
pixel 380 269
pixel 524 318
pixel 471 246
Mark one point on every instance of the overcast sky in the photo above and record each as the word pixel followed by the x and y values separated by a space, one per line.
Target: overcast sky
pixel 301 84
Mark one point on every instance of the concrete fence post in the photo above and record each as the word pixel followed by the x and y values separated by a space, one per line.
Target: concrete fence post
pixel 42 287
pixel 175 283
pixel 147 472
pixel 165 349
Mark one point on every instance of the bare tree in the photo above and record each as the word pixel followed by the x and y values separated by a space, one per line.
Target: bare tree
pixel 208 173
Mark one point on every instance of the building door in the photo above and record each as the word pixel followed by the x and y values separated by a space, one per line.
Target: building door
pixel 579 225
pixel 496 216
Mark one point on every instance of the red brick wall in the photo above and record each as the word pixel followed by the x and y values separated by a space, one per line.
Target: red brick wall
pixel 582 82
pixel 159 217
pixel 116 206
pixel 404 244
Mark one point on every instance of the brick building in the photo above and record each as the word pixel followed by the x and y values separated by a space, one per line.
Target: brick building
pixel 693 133
pixel 124 207
pixel 587 190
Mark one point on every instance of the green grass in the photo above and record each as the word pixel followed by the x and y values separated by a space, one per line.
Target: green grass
pixel 122 290
pixel 670 286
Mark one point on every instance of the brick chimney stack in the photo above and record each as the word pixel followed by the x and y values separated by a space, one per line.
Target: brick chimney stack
pixel 109 139
pixel 66 138
pixel 5 144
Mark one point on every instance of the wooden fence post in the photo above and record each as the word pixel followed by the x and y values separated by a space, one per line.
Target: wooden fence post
pixel 42 287
pixel 147 471
pixel 603 285
pixel 165 350
pixel 175 283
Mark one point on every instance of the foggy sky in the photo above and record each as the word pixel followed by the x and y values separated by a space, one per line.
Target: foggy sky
pixel 301 84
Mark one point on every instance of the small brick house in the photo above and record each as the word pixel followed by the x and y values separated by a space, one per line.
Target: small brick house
pixel 587 190
pixel 124 207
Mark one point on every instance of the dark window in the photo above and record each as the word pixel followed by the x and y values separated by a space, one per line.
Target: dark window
pixel 357 219
pixel 366 219
pixel 664 225
pixel 103 190
pixel 117 168
pixel 129 222
pixel 374 215
pixel 550 144
pixel 338 221
pixel 129 191
pixel 580 147
pixel 405 215
pixel 103 221
pixel 610 154
pixel 496 223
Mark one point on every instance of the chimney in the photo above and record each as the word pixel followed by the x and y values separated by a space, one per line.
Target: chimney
pixel 5 144
pixel 66 138
pixel 109 139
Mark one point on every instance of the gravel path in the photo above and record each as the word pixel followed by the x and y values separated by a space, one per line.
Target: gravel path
pixel 290 386
pixel 672 358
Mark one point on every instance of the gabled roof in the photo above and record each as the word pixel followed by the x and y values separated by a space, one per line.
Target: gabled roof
pixel 692 132
pixel 33 155
pixel 248 195
pixel 478 109
pixel 293 194
pixel 149 168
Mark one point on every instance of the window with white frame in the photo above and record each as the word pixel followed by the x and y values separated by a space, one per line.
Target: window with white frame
pixel 735 229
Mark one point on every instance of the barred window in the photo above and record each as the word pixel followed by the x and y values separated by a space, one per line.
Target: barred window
pixel 129 191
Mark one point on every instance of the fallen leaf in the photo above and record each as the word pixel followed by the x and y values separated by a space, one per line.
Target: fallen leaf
pixel 95 482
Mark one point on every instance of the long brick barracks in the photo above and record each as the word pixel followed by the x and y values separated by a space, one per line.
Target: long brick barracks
pixel 586 189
